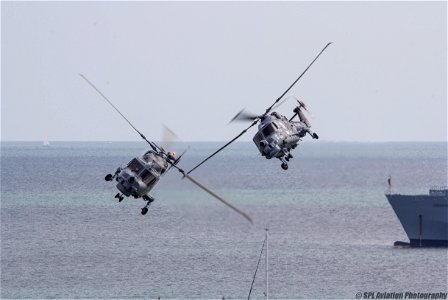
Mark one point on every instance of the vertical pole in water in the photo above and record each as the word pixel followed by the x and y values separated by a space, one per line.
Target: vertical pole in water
pixel 420 227
pixel 389 183
pixel 267 265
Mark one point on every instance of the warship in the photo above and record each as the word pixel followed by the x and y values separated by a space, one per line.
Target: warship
pixel 424 217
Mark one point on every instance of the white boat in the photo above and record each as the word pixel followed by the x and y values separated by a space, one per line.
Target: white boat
pixel 424 217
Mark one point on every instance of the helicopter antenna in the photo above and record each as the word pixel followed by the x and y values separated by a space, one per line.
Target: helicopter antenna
pixel 152 144
pixel 255 118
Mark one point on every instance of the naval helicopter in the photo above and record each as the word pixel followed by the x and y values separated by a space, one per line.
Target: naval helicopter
pixel 138 177
pixel 277 135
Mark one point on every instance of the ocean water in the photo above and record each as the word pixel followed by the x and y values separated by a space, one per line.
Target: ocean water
pixel 331 229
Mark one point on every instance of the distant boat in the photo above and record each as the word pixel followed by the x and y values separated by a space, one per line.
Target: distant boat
pixel 424 217
pixel 46 143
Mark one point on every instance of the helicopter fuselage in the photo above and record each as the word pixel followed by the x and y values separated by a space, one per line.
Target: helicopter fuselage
pixel 141 174
pixel 277 135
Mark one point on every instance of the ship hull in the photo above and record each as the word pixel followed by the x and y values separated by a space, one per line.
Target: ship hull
pixel 424 218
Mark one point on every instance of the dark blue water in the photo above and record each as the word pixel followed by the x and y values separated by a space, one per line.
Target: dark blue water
pixel 331 228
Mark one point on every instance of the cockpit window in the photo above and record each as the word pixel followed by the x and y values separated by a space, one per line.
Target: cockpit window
pixel 257 138
pixel 156 167
pixel 147 177
pixel 157 163
pixel 149 156
pixel 135 166
pixel 268 129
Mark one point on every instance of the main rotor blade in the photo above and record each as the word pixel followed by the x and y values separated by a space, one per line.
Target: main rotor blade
pixel 290 87
pixel 152 144
pixel 244 116
pixel 244 215
pixel 281 103
pixel 214 153
pixel 168 137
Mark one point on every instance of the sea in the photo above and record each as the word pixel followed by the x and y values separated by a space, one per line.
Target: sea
pixel 330 227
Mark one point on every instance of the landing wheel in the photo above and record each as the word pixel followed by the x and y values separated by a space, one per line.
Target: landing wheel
pixel 144 210
pixel 119 197
pixel 315 136
pixel 108 177
pixel 284 166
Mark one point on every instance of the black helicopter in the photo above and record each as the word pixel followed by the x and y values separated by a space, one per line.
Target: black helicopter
pixel 138 177
pixel 277 135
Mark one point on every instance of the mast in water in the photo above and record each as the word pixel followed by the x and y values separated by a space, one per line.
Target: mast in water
pixel 267 264
pixel 265 242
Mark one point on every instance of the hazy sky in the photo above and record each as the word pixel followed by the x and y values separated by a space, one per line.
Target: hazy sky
pixel 194 65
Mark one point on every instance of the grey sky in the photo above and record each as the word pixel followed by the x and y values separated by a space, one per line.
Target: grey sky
pixel 194 65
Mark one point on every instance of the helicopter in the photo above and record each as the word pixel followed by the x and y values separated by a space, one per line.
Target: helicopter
pixel 277 135
pixel 138 177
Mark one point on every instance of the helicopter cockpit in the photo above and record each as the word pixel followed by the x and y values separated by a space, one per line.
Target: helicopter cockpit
pixel 156 162
pixel 145 175
pixel 269 129
pixel 257 140
pixel 265 142
pixel 135 166
pixel 141 173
